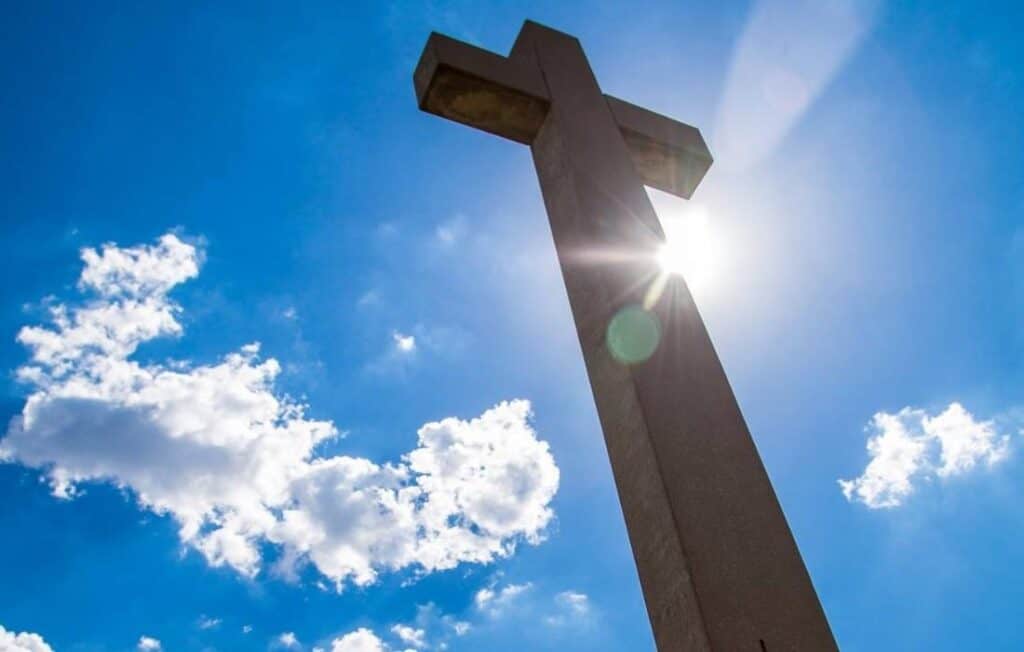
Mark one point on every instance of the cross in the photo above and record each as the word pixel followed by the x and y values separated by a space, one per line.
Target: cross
pixel 718 566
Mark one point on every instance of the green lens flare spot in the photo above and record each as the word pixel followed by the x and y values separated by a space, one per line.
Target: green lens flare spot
pixel 633 334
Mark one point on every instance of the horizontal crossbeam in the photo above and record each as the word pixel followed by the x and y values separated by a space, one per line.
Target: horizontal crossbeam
pixel 508 97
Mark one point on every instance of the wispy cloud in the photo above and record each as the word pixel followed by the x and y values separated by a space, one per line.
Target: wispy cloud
pixel 368 299
pixel 496 607
pixel 576 602
pixel 450 232
pixel 493 600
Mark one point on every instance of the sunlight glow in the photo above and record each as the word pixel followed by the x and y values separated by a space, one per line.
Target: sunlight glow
pixel 788 54
pixel 691 249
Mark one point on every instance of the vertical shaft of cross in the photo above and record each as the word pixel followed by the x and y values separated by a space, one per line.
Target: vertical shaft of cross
pixel 595 203
pixel 718 565
pixel 713 548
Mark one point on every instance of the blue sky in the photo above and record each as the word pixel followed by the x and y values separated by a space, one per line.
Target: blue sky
pixel 185 181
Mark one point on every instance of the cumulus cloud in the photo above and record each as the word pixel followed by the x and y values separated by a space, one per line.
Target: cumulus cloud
pixel 361 640
pixel 910 447
pixel 233 461
pixel 148 643
pixel 22 642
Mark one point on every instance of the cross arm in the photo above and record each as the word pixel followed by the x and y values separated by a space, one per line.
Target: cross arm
pixel 668 155
pixel 481 89
pixel 508 96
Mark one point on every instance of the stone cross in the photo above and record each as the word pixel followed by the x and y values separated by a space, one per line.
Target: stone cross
pixel 718 565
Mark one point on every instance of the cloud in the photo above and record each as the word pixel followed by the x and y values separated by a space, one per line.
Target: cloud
pixel 232 461
pixel 410 635
pixel 404 343
pixel 493 600
pixel 148 643
pixel 206 622
pixel 404 349
pixel 496 610
pixel 23 642
pixel 432 629
pixel 912 447
pixel 287 640
pixel 368 298
pixel 361 640
pixel 570 607
pixel 574 602
pixel 450 232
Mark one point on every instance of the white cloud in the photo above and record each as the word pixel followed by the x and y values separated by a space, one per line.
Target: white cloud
pixel 288 640
pixel 361 640
pixel 246 629
pixel 410 635
pixel 368 298
pixel 22 642
pixel 570 607
pixel 206 622
pixel 148 643
pixel 496 609
pixel 232 461
pixel 493 600
pixel 573 601
pixel 405 348
pixel 404 343
pixel 450 232
pixel 430 623
pixel 910 447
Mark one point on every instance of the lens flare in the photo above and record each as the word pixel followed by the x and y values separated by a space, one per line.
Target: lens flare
pixel 690 249
pixel 633 334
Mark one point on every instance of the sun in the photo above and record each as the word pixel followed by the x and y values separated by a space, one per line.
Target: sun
pixel 690 248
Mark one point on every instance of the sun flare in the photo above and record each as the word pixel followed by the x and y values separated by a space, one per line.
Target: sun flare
pixel 690 248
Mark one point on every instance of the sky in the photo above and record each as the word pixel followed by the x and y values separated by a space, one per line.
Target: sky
pixel 289 365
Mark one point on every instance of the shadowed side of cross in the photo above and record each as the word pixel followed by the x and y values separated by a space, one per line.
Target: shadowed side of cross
pixel 718 565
